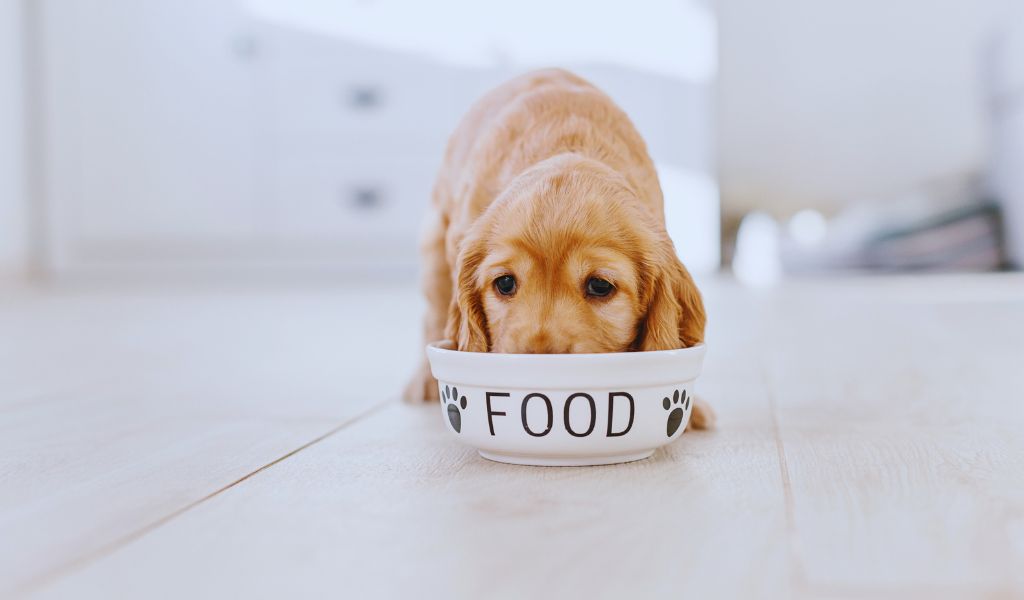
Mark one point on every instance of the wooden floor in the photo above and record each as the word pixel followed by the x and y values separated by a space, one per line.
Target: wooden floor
pixel 247 443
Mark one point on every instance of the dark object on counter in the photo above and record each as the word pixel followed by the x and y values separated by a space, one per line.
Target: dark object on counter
pixel 968 238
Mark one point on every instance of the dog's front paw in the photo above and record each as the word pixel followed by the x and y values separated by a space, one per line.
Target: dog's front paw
pixel 422 387
pixel 702 417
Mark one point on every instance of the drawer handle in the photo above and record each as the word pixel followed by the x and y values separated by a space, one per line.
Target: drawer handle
pixel 365 198
pixel 365 97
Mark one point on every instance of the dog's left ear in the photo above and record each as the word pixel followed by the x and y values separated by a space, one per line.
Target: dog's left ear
pixel 675 312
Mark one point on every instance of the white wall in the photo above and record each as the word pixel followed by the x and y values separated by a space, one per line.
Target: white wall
pixel 824 103
pixel 13 222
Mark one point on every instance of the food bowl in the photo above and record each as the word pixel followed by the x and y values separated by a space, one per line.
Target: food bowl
pixel 566 409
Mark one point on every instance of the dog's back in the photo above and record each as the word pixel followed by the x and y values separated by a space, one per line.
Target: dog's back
pixel 527 120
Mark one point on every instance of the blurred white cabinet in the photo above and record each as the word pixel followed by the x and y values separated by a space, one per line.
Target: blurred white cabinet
pixel 186 134
pixel 355 136
pixel 189 134
pixel 151 139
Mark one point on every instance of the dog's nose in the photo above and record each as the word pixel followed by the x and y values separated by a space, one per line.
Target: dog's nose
pixel 543 343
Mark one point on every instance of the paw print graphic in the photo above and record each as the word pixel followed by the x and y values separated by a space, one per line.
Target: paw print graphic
pixel 677 408
pixel 450 397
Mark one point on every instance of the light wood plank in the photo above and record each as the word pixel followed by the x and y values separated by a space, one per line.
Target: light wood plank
pixel 312 344
pixel 901 418
pixel 393 506
pixel 120 407
pixel 869 446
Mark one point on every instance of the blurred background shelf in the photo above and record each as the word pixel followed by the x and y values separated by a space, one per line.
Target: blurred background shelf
pixel 181 133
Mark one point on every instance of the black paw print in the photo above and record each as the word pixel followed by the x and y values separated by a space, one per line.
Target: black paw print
pixel 451 398
pixel 675 418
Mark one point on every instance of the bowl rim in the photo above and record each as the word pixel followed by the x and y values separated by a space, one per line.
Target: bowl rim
pixel 565 371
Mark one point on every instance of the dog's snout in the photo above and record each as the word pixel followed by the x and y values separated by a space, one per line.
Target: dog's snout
pixel 542 342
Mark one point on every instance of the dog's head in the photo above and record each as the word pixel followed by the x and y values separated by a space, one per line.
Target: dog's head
pixel 568 260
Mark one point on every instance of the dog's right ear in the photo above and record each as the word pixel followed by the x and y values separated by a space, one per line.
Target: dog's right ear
pixel 467 322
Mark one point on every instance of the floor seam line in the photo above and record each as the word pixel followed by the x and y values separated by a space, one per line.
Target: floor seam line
pixel 111 547
pixel 797 571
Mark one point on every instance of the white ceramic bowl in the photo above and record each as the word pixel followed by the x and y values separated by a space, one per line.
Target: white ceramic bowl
pixel 566 409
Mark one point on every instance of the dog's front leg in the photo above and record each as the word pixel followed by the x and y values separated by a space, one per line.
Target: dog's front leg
pixel 437 286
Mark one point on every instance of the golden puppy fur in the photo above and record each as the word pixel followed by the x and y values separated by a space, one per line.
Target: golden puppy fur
pixel 546 181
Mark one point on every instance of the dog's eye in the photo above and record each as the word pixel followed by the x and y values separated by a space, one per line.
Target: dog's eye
pixel 506 285
pixel 599 287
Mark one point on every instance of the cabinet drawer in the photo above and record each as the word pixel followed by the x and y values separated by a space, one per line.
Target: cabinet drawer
pixel 318 87
pixel 368 200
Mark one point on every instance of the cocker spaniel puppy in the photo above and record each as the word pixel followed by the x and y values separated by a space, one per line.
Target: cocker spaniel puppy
pixel 547 233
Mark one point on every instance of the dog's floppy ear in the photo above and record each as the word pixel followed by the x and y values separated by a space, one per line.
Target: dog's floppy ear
pixel 467 322
pixel 675 312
